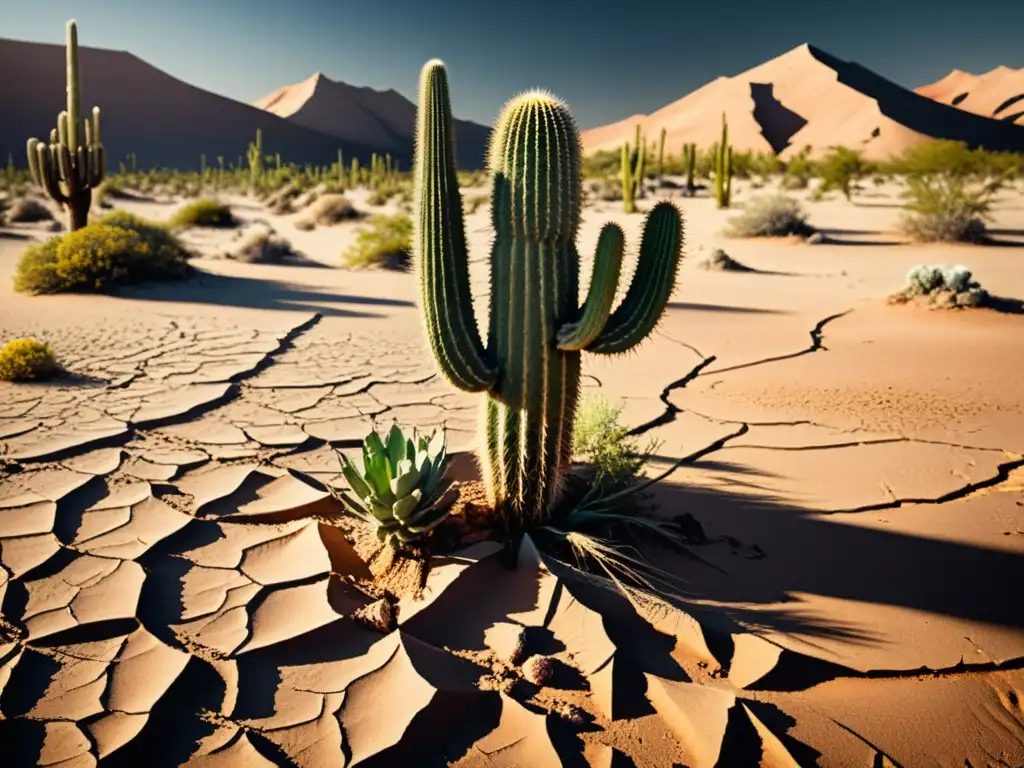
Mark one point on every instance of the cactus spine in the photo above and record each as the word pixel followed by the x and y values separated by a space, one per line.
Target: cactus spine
pixel 73 164
pixel 723 168
pixel 529 367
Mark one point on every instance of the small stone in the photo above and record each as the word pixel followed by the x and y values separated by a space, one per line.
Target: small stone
pixel 539 670
pixel 378 615
pixel 815 239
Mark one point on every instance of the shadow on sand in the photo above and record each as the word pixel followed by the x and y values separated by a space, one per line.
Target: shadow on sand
pixel 251 293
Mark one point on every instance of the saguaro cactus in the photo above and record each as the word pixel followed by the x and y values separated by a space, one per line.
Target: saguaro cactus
pixel 73 163
pixel 661 155
pixel 529 366
pixel 723 168
pixel 255 158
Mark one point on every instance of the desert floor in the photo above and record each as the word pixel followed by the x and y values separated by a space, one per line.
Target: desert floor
pixel 174 591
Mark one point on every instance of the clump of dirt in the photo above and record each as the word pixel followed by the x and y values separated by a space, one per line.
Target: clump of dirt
pixel 720 261
pixel 398 574
pixel 471 519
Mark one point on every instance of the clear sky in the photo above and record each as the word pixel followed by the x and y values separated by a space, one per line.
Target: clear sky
pixel 608 59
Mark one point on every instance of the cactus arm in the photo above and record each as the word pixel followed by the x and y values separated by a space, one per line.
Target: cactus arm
pixel 440 243
pixel 652 285
pixel 603 283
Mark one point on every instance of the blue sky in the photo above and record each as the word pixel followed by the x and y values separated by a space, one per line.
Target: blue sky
pixel 608 59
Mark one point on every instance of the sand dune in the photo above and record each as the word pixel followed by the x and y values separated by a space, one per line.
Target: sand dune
pixel 997 94
pixel 164 121
pixel 807 97
pixel 384 119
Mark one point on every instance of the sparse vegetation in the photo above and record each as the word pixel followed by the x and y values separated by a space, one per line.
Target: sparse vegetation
pixel 204 213
pixel 97 257
pixel 327 211
pixel 770 216
pixel 841 169
pixel 387 243
pixel 602 441
pixel 27 360
pixel 263 247
pixel 942 287
pixel 949 190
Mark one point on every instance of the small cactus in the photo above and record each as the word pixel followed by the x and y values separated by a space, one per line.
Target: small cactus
pixel 530 364
pixel 661 155
pixel 690 165
pixel 723 168
pixel 73 163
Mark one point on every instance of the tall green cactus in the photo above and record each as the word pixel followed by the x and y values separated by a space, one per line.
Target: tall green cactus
pixel 73 164
pixel 628 179
pixel 723 168
pixel 529 366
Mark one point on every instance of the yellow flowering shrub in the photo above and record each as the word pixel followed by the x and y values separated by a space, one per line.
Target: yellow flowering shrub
pixel 26 359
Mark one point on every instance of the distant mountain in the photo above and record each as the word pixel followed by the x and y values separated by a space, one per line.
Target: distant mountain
pixel 364 115
pixel 997 94
pixel 163 120
pixel 807 97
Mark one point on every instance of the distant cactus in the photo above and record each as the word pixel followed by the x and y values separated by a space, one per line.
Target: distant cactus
pixel 633 169
pixel 73 164
pixel 255 157
pixel 723 168
pixel 690 165
pixel 530 364
pixel 661 155
pixel 354 173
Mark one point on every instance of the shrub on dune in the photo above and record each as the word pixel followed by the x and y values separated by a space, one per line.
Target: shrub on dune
pixel 388 244
pixel 204 213
pixel 770 216
pixel 941 286
pixel 26 360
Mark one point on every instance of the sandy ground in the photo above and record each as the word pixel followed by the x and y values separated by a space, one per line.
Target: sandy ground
pixel 173 593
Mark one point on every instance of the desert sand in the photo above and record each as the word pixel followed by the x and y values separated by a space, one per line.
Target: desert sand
pixel 176 589
pixel 808 98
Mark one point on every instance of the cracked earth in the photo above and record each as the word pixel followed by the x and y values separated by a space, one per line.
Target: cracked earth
pixel 175 590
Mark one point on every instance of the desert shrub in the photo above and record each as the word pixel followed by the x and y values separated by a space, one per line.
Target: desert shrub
pixel 263 248
pixel 942 286
pixel 27 210
pixel 599 165
pixel 601 440
pixel 473 178
pixel 841 169
pixel 388 243
pixel 328 210
pixel 770 216
pixel 94 258
pixel 799 171
pixel 109 189
pixel 27 359
pixel 164 247
pixel 204 213
pixel 949 191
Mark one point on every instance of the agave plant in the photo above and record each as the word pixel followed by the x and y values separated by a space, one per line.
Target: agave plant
pixel 400 488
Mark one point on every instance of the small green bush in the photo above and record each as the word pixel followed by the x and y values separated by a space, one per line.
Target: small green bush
pixel 841 169
pixel 27 359
pixel 204 213
pixel 942 286
pixel 28 210
pixel 770 216
pixel 388 244
pixel 600 439
pixel 95 258
pixel 164 247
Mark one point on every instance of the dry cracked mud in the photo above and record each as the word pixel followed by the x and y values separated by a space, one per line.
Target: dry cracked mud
pixel 175 589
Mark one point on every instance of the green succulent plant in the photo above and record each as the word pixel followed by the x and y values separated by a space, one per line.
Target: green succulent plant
pixel 401 487
pixel 529 366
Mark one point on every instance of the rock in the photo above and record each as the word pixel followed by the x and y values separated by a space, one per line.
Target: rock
pixel 815 239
